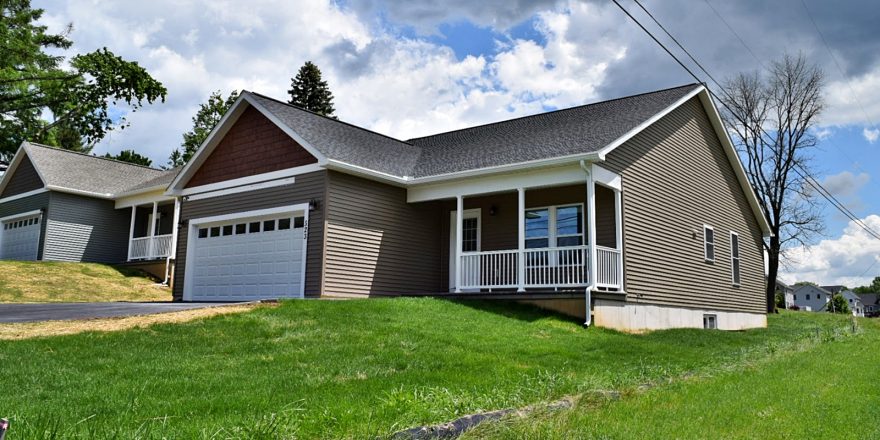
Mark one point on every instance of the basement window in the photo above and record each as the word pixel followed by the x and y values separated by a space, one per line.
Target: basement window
pixel 710 322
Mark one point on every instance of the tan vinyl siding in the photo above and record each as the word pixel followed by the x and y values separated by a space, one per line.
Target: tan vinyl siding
pixel 25 179
pixel 676 177
pixel 305 188
pixel 376 242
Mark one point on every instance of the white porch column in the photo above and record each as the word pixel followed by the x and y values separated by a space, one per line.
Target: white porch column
pixel 521 241
pixel 131 230
pixel 153 230
pixel 459 207
pixel 174 227
pixel 618 223
pixel 591 227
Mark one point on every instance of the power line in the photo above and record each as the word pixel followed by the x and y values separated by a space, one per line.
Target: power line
pixel 811 181
pixel 730 28
pixel 837 63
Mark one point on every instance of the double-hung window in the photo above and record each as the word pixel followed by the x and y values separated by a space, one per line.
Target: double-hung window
pixel 734 258
pixel 709 243
pixel 554 226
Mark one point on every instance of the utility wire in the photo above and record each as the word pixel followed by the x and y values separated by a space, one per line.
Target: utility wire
pixel 811 181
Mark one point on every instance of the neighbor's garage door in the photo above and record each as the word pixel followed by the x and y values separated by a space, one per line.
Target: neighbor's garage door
pixel 248 259
pixel 20 238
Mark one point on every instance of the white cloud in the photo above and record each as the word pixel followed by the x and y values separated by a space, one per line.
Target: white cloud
pixel 855 101
pixel 871 135
pixel 846 184
pixel 841 260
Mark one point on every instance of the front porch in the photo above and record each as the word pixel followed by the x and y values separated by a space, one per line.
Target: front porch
pixel 151 236
pixel 543 238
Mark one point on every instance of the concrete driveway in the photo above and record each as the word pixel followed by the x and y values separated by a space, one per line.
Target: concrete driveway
pixel 68 311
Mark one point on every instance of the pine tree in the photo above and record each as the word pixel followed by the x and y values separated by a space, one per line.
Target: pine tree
pixel 131 156
pixel 309 91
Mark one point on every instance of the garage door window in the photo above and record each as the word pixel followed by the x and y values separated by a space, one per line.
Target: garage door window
pixel 240 229
pixel 254 227
pixel 283 224
pixel 268 225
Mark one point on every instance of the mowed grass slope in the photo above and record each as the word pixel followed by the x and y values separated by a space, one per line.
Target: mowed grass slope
pixel 346 369
pixel 43 281
pixel 830 391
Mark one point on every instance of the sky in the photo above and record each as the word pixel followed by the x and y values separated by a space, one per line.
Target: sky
pixel 408 68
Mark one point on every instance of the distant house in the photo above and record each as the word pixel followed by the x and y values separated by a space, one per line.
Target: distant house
pixel 787 292
pixel 855 303
pixel 3 167
pixel 872 303
pixel 811 298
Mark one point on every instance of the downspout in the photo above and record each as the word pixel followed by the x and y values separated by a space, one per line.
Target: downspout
pixel 588 293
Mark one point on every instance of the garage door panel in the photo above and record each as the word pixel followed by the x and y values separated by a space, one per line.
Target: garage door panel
pixel 260 261
pixel 20 238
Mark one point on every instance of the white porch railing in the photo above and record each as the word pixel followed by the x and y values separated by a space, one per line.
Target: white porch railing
pixel 148 248
pixel 544 268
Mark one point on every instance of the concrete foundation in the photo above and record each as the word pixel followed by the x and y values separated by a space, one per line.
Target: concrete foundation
pixel 631 317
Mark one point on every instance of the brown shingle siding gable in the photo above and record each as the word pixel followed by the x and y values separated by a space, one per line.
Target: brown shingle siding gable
pixel 25 179
pixel 254 145
pixel 676 178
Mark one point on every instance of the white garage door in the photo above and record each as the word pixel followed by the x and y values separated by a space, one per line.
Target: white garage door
pixel 20 238
pixel 248 259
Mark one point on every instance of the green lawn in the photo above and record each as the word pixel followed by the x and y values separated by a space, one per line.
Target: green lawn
pixel 350 369
pixel 828 391
pixel 43 281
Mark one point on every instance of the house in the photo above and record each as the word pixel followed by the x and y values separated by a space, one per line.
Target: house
pixel 633 213
pixel 787 293
pixel 3 167
pixel 811 298
pixel 872 303
pixel 58 205
pixel 855 303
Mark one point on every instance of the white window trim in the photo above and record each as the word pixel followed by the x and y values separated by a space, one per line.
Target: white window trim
pixel 552 227
pixel 706 242
pixel 736 283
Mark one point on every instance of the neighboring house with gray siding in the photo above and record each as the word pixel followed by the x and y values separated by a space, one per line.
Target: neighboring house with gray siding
pixel 811 298
pixel 58 205
pixel 633 213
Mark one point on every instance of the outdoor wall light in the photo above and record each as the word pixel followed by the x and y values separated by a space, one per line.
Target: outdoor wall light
pixel 314 204
pixel 493 210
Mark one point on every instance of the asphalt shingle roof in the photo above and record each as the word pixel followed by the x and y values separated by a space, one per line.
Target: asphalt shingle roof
pixel 93 174
pixel 579 130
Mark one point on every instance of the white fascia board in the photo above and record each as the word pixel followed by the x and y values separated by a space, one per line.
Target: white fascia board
pixel 140 191
pixel 607 178
pixel 210 142
pixel 248 180
pixel 241 189
pixel 333 164
pixel 519 166
pixel 23 195
pixel 537 178
pixel 734 159
pixel 650 121
pixel 79 192
pixel 157 195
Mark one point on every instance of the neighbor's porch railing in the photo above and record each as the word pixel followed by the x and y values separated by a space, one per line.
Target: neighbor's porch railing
pixel 544 268
pixel 149 248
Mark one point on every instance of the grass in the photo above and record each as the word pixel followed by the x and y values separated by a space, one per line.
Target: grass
pixel 346 369
pixel 827 391
pixel 29 281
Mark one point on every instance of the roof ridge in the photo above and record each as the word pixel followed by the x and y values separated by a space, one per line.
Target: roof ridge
pixel 93 156
pixel 329 118
pixel 488 124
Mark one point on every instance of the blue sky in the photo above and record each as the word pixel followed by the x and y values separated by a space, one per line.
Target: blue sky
pixel 411 68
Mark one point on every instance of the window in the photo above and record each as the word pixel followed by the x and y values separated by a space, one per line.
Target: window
pixel 283 224
pixel 203 233
pixel 254 228
pixel 227 230
pixel 554 226
pixel 469 231
pixel 299 222
pixel 795 297
pixel 215 231
pixel 240 228
pixel 710 322
pixel 734 258
pixel 268 225
pixel 808 297
pixel 709 243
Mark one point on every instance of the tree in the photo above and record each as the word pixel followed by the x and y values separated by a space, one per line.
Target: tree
pixel 130 156
pixel 838 304
pixel 309 91
pixel 65 104
pixel 806 283
pixel 770 118
pixel 206 118
pixel 874 287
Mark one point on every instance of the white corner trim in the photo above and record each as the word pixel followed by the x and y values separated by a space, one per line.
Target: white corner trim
pixel 248 180
pixel 650 121
pixel 23 195
pixel 241 189
pixel 21 215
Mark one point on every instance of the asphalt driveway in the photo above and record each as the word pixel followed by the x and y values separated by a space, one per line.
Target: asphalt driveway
pixel 68 311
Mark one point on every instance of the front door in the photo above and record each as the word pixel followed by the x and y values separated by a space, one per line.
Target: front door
pixel 470 238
